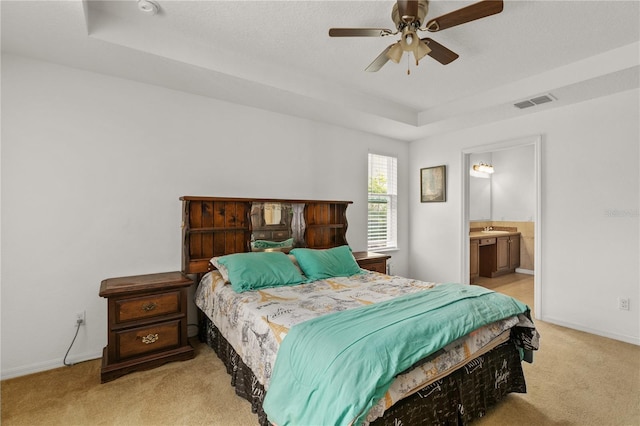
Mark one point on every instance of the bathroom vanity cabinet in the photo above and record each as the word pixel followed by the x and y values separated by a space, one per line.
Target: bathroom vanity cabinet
pixel 507 256
pixel 493 254
pixel 474 259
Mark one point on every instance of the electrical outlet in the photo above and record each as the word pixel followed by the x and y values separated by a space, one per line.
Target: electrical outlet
pixel 623 304
pixel 80 318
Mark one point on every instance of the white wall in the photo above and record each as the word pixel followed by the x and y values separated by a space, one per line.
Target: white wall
pixel 513 186
pixel 480 190
pixel 92 169
pixel 509 193
pixel 590 210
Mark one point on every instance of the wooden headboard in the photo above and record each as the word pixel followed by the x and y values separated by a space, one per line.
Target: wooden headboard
pixel 214 226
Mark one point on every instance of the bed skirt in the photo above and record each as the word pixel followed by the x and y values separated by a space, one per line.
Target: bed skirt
pixel 457 399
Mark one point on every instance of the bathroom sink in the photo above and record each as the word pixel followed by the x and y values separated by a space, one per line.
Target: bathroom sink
pixel 495 232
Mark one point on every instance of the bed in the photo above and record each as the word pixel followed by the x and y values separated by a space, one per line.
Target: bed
pixel 315 295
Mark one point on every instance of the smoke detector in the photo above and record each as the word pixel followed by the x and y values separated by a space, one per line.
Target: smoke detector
pixel 148 7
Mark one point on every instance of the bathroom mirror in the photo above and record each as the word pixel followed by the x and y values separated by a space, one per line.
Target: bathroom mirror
pixel 272 213
pixel 271 226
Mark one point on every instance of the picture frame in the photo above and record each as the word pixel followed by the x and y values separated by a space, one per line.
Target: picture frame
pixel 433 184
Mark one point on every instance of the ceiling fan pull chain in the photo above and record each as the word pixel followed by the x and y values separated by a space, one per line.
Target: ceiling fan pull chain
pixel 408 65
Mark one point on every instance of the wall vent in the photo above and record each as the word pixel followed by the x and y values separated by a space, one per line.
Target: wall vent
pixel 535 101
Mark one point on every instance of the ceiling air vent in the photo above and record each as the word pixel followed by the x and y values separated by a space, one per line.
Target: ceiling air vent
pixel 542 99
pixel 535 101
pixel 524 104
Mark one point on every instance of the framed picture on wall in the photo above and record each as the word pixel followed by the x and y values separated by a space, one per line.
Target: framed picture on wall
pixel 433 184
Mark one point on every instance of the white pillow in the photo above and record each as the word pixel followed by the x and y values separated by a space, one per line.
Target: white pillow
pixel 221 268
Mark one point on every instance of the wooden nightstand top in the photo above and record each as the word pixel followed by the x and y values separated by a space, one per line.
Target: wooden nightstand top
pixel 361 255
pixel 142 283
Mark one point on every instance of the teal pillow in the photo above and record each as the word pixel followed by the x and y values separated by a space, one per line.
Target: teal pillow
pixel 252 271
pixel 320 264
pixel 265 244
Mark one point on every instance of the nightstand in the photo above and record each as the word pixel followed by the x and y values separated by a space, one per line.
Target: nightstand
pixel 372 261
pixel 147 322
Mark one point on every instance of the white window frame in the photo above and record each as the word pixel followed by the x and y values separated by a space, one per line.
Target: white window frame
pixel 386 237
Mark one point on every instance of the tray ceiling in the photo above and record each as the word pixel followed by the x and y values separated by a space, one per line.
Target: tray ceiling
pixel 278 56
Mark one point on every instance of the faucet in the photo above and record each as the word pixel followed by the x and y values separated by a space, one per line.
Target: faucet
pixel 488 228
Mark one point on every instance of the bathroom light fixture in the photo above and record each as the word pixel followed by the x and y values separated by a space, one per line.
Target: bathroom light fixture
pixel 148 7
pixel 483 168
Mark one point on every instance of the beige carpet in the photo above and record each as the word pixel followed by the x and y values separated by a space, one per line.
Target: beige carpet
pixel 194 392
pixel 576 379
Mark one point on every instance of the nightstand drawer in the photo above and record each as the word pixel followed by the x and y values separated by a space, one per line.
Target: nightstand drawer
pixel 375 266
pixel 375 262
pixel 148 339
pixel 132 309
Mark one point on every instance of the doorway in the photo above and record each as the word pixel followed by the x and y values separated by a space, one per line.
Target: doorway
pixel 535 142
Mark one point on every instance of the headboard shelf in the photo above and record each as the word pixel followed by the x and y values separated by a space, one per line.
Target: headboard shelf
pixel 326 224
pixel 215 226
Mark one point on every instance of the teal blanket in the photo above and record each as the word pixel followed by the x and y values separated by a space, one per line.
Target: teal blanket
pixel 331 370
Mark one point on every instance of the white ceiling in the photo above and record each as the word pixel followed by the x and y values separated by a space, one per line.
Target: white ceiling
pixel 278 56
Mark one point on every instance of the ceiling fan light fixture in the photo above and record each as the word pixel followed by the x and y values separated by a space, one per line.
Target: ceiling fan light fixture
pixel 395 53
pixel 408 39
pixel 421 50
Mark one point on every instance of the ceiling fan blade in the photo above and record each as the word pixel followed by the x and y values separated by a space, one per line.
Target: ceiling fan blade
pixel 408 10
pixel 359 32
pixel 439 52
pixel 470 13
pixel 379 61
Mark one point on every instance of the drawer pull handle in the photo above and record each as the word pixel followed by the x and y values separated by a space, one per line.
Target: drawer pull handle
pixel 150 338
pixel 149 307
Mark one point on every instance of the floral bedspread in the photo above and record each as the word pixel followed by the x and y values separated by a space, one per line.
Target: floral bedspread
pixel 255 323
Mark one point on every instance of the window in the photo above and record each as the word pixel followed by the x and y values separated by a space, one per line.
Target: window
pixel 383 202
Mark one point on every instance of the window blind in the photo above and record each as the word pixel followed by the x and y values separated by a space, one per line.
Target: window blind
pixel 382 206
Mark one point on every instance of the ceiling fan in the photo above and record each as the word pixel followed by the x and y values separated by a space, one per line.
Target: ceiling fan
pixel 408 16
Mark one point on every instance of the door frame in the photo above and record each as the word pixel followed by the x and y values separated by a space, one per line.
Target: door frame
pixel 536 141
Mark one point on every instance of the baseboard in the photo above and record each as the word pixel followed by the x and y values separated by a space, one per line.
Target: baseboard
pixel 615 336
pixel 47 365
pixel 525 271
